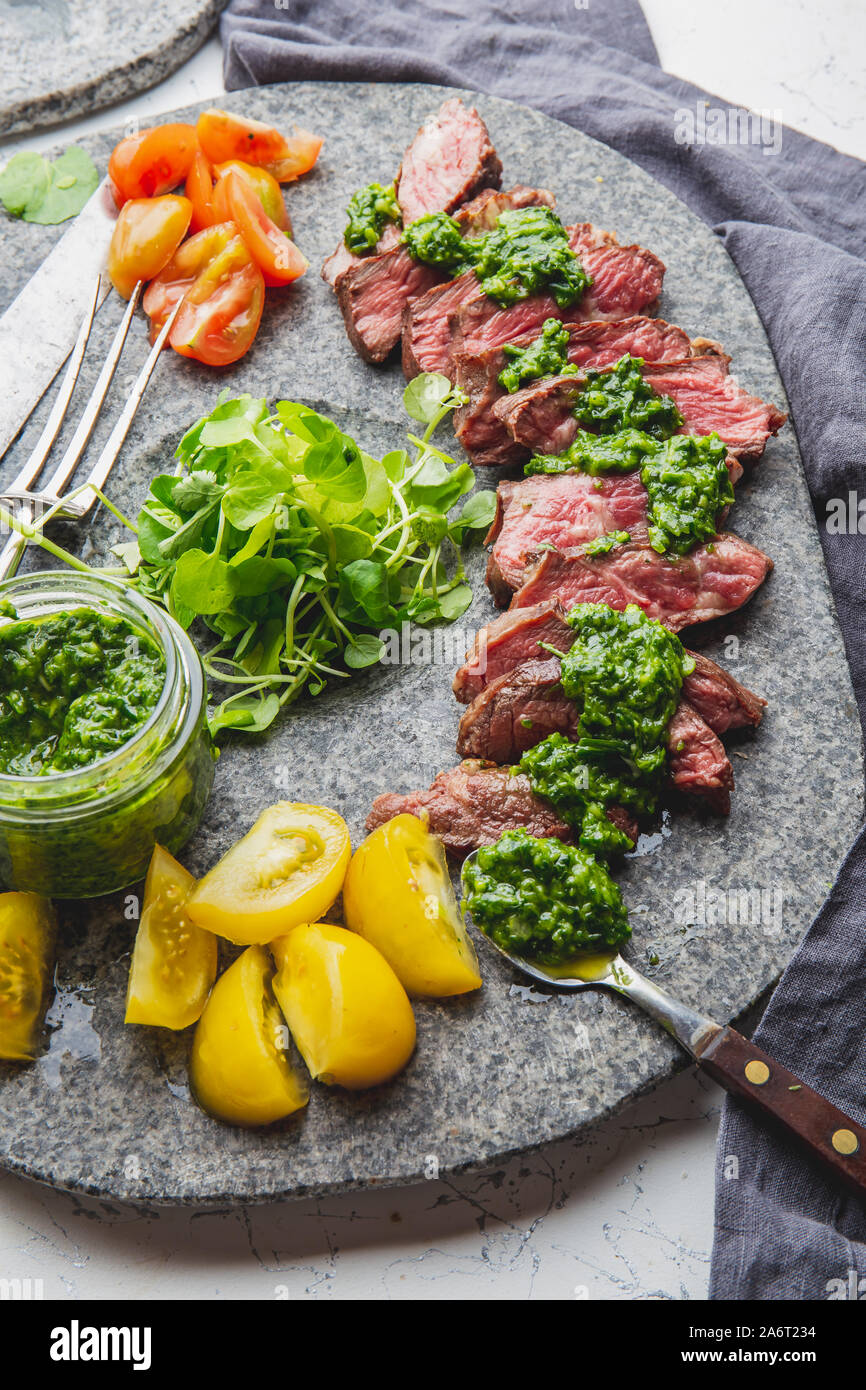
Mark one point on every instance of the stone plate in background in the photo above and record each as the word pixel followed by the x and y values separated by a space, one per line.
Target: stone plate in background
pixel 64 58
pixel 107 1110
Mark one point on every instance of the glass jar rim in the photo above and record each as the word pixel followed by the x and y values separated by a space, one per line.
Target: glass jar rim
pixel 77 588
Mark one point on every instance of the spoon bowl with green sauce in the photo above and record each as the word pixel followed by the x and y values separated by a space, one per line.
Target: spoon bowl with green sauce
pixel 537 900
pixel 104 748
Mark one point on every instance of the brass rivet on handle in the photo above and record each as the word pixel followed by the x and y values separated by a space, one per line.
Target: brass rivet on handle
pixel 757 1072
pixel 845 1142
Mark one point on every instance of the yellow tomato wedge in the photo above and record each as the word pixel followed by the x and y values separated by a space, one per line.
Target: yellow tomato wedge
pixel 27 932
pixel 398 895
pixel 174 962
pixel 287 870
pixel 346 1009
pixel 146 235
pixel 240 1071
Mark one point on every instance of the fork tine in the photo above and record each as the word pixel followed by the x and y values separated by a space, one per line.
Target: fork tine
pixel 104 464
pixel 31 469
pixel 67 465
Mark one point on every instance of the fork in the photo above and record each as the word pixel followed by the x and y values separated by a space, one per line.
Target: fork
pixel 36 504
pixel 737 1064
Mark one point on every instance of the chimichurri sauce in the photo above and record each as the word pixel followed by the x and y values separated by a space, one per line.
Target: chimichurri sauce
pixel 619 398
pixel 543 900
pixel 546 355
pixel 527 251
pixel 624 672
pixel 74 687
pixel 368 211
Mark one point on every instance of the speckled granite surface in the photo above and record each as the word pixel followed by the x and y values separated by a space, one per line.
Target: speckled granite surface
pixel 63 58
pixel 108 1110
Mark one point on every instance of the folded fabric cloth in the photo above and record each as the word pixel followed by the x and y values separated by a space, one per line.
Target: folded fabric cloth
pixel 793 222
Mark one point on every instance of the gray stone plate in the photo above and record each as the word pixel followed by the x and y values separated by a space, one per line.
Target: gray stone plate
pixel 63 58
pixel 107 1110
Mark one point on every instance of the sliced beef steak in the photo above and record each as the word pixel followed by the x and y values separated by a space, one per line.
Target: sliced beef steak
pixel 343 259
pixel 374 292
pixel 565 510
pixel 516 711
pixel 720 700
pixel 475 802
pixel 426 332
pixel 699 765
pixel 713 580
pixel 516 637
pixel 449 160
pixel 511 639
pixel 626 281
pixel 520 709
pixel 597 343
pixel 540 415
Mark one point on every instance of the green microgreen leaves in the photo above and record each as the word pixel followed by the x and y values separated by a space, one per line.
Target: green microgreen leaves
pixel 297 549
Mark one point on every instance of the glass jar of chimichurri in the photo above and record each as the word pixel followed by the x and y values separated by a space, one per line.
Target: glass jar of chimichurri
pixel 77 831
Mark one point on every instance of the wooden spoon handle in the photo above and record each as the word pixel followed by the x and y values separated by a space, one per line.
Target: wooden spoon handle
pixel 746 1071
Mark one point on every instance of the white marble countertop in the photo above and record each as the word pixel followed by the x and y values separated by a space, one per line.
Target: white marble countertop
pixel 626 1212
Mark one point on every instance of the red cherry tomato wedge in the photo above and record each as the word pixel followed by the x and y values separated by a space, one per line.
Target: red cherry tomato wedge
pixel 153 162
pixel 146 235
pixel 224 136
pixel 301 154
pixel 263 184
pixel 221 311
pixel 200 191
pixel 181 272
pixel 278 258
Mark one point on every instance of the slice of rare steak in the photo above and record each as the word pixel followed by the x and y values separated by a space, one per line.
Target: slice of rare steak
pixel 711 581
pixel 474 803
pixel 598 343
pixel 449 160
pixel 541 418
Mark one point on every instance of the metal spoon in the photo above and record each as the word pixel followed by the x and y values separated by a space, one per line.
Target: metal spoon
pixel 738 1065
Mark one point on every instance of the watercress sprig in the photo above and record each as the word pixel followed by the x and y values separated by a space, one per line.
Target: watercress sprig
pixel 294 547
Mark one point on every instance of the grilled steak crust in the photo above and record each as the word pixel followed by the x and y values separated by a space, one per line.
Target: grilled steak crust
pixel 597 344
pixel 626 281
pixel 540 415
pixel 448 161
pixel 711 581
pixel 514 639
pixel 521 708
